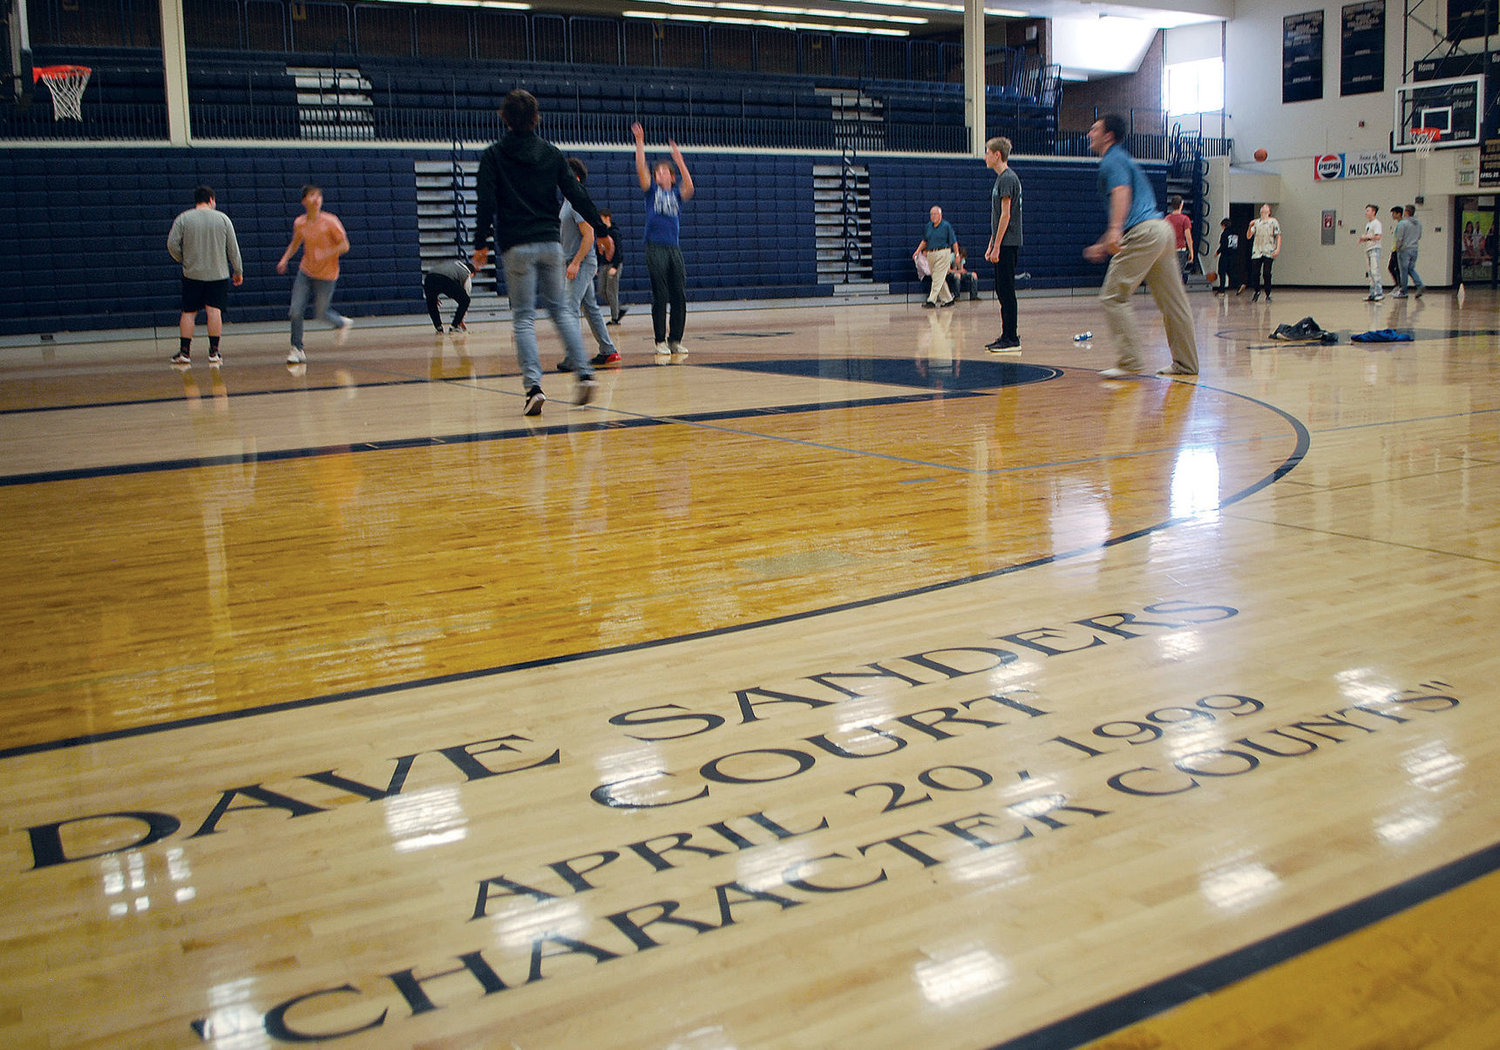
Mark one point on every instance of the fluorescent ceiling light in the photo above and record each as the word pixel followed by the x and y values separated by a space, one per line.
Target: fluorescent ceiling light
pixel 507 5
pixel 672 16
pixel 937 5
pixel 800 12
pixel 821 12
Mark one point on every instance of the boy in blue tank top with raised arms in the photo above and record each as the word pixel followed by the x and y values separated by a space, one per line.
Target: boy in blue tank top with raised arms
pixel 664 200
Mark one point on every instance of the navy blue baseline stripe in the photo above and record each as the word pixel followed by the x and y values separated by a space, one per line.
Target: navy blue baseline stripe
pixel 397 444
pixel 239 394
pixel 1134 1007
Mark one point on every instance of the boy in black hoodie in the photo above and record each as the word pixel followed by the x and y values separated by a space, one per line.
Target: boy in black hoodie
pixel 519 179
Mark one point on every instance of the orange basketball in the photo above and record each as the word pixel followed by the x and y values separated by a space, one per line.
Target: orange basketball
pixel 1261 154
pixel 1211 278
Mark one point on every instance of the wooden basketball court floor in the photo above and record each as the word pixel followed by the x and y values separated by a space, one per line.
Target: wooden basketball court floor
pixel 840 685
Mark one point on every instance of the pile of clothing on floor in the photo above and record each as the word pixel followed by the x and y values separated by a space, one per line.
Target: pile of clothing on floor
pixel 1304 331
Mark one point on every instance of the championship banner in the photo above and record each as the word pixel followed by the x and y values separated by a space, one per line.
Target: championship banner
pixel 1355 166
pixel 1362 67
pixel 1302 57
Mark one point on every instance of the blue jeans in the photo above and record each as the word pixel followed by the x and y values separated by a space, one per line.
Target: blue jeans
pixel 534 273
pixel 1406 262
pixel 321 292
pixel 581 296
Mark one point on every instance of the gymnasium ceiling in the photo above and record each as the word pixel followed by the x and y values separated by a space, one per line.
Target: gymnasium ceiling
pixel 1087 39
pixel 944 15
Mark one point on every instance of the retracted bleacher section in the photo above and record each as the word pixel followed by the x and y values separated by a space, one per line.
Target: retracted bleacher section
pixel 1062 213
pixel 238 96
pixel 83 232
pixel 331 70
pixel 750 232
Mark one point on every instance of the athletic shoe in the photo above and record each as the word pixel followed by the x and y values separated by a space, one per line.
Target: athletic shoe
pixel 1398 295
pixel 623 311
pixel 928 304
pixel 1006 344
pixel 1268 297
pixel 1116 373
pixel 534 401
pixel 564 366
pixel 1255 298
pixel 950 302
pixel 343 332
pixel 1374 298
pixel 460 328
pixel 296 356
pixel 1419 291
pixel 677 348
pixel 438 329
pixel 181 358
pixel 606 357
pixel 662 350
pixel 587 387
pixel 215 358
pixel 1175 371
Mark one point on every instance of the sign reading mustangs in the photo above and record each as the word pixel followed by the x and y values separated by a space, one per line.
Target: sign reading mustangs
pixel 1355 165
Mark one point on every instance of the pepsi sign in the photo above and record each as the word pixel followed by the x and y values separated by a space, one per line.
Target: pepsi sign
pixel 1328 166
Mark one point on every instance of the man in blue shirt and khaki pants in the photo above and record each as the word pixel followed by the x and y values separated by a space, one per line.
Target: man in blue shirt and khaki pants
pixel 939 242
pixel 1140 246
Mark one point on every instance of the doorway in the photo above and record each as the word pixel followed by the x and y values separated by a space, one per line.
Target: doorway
pixel 1240 217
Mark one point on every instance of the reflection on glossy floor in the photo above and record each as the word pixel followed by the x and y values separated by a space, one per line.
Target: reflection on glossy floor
pixel 838 684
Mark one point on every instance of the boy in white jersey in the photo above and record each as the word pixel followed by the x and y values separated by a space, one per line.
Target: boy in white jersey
pixel 1370 242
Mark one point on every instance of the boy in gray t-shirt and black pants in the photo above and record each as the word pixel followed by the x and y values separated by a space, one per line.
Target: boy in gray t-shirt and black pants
pixel 1005 240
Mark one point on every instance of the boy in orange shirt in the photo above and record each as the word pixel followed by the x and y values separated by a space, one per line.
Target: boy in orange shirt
pixel 322 239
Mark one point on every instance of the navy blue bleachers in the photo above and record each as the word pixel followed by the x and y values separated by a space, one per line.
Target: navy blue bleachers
pixel 1062 213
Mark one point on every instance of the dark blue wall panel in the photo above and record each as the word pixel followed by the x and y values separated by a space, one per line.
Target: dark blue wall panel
pixel 88 240
pixel 83 231
pixel 1062 214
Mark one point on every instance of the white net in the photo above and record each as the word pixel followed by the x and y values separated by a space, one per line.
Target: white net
pixel 1424 140
pixel 66 84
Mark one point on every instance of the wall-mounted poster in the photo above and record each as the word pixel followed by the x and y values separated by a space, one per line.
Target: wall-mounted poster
pixel 1362 66
pixel 1302 57
pixel 1477 239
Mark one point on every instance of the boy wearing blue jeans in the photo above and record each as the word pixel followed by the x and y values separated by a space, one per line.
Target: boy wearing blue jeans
pixel 519 180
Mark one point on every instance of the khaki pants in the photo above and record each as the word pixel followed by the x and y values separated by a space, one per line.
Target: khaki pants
pixel 940 260
pixel 1148 252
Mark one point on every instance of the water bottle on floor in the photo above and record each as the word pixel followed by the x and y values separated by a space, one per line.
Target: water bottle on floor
pixel 1083 337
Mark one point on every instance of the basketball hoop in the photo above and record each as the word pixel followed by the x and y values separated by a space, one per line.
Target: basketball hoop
pixel 66 83
pixel 1424 140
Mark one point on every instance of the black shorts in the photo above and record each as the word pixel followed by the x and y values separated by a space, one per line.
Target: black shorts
pixel 198 294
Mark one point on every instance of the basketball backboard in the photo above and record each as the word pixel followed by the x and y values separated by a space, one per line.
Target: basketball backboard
pixel 17 50
pixel 1451 106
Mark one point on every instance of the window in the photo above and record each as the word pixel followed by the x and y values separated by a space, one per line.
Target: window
pixel 1194 87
